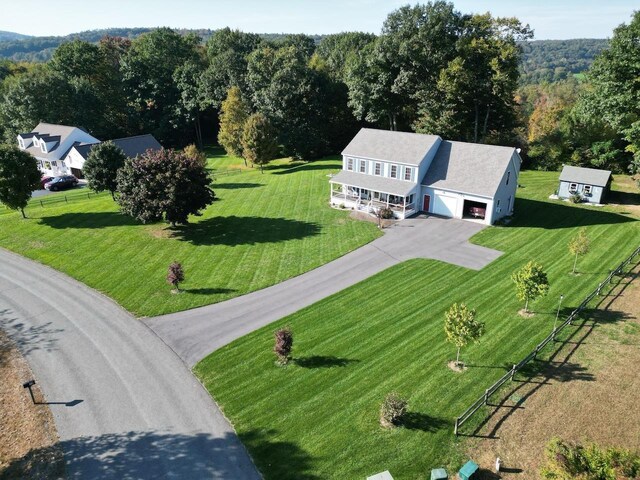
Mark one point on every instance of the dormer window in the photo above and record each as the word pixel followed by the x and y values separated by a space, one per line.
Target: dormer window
pixel 21 142
pixel 35 142
pixel 377 169
pixel 408 173
pixel 573 187
pixel 363 166
pixel 587 189
pixel 394 171
pixel 43 147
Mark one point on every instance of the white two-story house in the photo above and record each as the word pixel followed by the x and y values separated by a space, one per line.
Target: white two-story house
pixel 50 145
pixel 62 150
pixel 411 173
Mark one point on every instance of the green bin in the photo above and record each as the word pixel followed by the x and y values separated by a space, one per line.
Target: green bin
pixel 468 470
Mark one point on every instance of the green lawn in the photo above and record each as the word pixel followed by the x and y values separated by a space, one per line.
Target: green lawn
pixel 318 417
pixel 264 229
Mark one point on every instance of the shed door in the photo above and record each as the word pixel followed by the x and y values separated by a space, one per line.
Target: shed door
pixel 445 205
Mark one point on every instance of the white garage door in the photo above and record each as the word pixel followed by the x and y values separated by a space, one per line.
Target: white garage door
pixel 445 205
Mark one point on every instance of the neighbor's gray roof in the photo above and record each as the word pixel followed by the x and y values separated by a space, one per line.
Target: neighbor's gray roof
pixel 587 176
pixel 373 182
pixel 133 146
pixel 400 147
pixel 468 167
pixel 46 131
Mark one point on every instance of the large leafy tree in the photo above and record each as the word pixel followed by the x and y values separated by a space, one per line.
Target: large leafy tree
pixel 614 94
pixel 233 116
pixel 227 51
pixel 19 177
pixel 298 98
pixel 102 165
pixel 340 49
pixel 163 184
pixel 259 141
pixel 39 94
pixel 149 68
pixel 399 71
pixel 473 98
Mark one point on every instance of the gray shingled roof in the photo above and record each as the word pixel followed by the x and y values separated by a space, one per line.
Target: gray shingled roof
pixel 468 167
pixel 49 132
pixel 399 147
pixel 133 146
pixel 375 183
pixel 586 176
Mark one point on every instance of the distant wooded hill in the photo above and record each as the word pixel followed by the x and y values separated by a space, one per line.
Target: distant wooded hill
pixel 544 60
pixel 8 36
pixel 553 60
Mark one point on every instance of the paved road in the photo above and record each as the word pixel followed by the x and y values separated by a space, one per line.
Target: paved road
pixel 125 405
pixel 193 334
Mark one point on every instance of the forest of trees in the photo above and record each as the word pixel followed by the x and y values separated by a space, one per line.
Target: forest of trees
pixel 432 69
pixel 554 60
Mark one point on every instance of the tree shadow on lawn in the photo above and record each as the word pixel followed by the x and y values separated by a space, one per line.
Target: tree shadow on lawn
pixel 208 291
pixel 624 198
pixel 551 215
pixel 310 166
pixel 139 454
pixel 234 230
pixel 89 220
pixel 235 186
pixel 322 361
pixel 423 422
pixel 279 459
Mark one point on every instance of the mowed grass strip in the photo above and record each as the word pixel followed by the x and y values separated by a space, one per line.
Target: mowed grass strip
pixel 318 417
pixel 264 229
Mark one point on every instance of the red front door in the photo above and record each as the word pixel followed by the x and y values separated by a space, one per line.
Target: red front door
pixel 425 204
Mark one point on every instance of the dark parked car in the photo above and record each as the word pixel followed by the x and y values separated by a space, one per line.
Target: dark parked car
pixel 44 180
pixel 61 183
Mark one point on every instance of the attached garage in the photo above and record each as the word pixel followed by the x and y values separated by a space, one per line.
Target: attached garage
pixel 445 205
pixel 471 181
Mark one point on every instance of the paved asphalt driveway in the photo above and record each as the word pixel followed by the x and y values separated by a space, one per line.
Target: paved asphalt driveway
pixel 193 334
pixel 125 405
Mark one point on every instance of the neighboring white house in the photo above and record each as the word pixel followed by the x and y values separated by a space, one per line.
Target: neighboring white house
pixel 412 172
pixel 62 150
pixel 50 145
pixel 590 183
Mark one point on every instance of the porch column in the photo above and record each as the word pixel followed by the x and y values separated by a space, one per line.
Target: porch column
pixel 404 206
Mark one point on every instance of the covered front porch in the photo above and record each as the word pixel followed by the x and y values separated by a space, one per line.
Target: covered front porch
pixel 371 201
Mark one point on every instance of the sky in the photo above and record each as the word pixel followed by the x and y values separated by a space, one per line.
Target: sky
pixel 550 19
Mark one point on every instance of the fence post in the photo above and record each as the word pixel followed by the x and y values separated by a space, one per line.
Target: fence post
pixel 535 353
pixel 486 396
pixel 513 371
pixel 455 427
pixel 599 288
